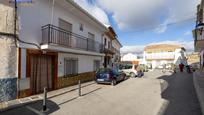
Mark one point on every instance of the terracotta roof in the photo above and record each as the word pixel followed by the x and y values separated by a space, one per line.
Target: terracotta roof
pixel 163 47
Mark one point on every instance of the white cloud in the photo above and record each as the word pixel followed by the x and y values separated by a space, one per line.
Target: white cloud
pixel 132 49
pixel 94 10
pixel 189 46
pixel 189 32
pixel 140 14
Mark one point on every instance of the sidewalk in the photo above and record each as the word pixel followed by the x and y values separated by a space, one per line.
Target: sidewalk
pixel 131 97
pixel 198 79
pixel 27 100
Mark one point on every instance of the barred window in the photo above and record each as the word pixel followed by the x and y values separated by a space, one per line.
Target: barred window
pixel 70 66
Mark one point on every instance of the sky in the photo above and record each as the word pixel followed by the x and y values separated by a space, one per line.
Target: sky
pixel 139 23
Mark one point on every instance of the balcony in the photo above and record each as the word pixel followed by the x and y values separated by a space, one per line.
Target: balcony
pixel 58 37
pixel 160 56
pixel 110 50
pixel 198 39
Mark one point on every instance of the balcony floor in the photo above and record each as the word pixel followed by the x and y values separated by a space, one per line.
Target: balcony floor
pixel 69 50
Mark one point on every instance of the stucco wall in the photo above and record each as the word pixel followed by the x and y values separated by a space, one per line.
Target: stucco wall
pixel 8 56
pixel 85 62
pixel 6 19
pixel 32 18
pixel 8 69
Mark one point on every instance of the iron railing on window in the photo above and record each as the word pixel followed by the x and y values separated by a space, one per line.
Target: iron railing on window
pixel 54 35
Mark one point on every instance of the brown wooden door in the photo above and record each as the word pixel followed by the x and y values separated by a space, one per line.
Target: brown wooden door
pixel 41 73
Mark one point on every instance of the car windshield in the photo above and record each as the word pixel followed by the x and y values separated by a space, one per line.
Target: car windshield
pixel 127 66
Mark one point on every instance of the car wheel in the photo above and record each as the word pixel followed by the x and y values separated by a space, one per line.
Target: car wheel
pixel 132 74
pixel 113 83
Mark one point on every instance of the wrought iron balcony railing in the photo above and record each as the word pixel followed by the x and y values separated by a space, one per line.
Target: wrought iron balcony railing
pixel 54 35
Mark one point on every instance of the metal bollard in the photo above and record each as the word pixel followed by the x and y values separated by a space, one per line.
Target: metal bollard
pixel 79 88
pixel 45 99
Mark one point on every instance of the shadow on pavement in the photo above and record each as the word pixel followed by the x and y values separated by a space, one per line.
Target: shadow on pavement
pixel 180 94
pixel 34 108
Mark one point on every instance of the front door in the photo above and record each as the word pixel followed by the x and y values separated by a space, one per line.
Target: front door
pixel 41 73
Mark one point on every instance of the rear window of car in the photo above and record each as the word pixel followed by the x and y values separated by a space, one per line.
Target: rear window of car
pixel 128 66
pixel 103 70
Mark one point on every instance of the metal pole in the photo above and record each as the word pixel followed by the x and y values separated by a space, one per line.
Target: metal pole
pixel 45 99
pixel 15 23
pixel 79 88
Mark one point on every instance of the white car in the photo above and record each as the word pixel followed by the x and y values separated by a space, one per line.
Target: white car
pixel 130 70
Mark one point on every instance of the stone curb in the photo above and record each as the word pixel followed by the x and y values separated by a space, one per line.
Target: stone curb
pixel 199 91
pixel 163 107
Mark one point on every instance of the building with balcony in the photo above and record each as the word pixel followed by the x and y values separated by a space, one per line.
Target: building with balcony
pixel 163 54
pixel 198 33
pixel 111 48
pixel 58 44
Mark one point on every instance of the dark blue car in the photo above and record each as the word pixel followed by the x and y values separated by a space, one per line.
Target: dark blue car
pixel 110 76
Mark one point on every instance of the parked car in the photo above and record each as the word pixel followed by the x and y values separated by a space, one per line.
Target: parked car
pixel 131 70
pixel 143 68
pixel 110 76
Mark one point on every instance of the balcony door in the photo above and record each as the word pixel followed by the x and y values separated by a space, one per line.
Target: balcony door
pixel 65 37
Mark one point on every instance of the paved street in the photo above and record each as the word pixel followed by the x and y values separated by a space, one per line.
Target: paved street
pixel 140 96
pixel 181 95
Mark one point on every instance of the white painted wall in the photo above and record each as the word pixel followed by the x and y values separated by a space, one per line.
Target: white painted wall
pixel 85 62
pixel 23 63
pixel 178 56
pixel 32 18
pixel 129 57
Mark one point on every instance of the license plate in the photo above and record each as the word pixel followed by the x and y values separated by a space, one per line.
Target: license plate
pixel 100 79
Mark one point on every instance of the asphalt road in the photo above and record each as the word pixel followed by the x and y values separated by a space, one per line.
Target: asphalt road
pixel 140 96
pixel 180 94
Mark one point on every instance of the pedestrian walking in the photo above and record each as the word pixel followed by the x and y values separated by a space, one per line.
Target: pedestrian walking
pixel 181 66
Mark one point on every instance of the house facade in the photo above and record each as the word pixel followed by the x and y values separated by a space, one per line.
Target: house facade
pixel 111 48
pixel 8 55
pixel 198 33
pixel 59 43
pixel 162 54
pixel 117 55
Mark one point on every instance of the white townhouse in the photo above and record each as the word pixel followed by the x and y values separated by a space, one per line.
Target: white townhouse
pixel 58 43
pixel 160 54
pixel 198 33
